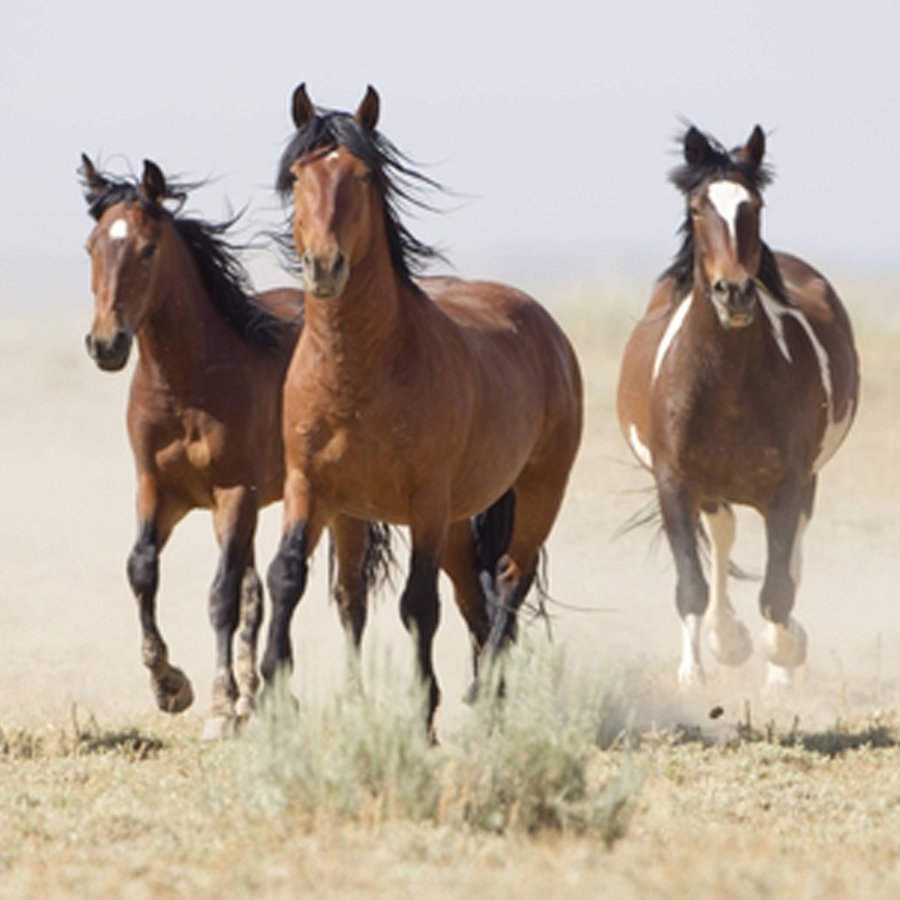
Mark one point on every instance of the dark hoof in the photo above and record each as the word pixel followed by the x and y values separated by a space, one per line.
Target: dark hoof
pixel 172 690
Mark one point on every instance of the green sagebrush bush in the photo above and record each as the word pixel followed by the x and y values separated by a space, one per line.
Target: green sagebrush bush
pixel 530 756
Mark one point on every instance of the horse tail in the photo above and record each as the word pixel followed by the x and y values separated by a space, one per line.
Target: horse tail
pixel 491 534
pixel 379 561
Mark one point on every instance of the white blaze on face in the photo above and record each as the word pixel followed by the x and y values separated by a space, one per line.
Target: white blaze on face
pixel 726 197
pixel 118 231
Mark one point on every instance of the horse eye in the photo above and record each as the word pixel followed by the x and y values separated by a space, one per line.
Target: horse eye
pixel 147 252
pixel 367 177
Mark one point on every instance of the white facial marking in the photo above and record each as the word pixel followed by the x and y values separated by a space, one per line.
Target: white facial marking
pixel 726 197
pixel 118 231
pixel 671 331
pixel 333 157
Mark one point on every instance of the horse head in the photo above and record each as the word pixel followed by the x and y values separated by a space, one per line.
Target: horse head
pixel 123 247
pixel 724 200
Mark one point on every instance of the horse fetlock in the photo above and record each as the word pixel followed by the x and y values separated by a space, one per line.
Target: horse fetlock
pixel 224 693
pixel 786 645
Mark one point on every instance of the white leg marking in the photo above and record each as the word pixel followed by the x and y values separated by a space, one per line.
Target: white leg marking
pixel 690 672
pixel 671 331
pixel 641 450
pixel 729 639
pixel 726 196
pixel 118 231
pixel 797 550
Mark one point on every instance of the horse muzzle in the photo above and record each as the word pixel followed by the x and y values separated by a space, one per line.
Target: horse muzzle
pixel 735 303
pixel 325 278
pixel 109 355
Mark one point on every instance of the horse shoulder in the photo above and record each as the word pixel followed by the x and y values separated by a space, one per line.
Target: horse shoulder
pixel 639 360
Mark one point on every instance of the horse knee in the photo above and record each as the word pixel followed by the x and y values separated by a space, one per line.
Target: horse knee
pixel 286 578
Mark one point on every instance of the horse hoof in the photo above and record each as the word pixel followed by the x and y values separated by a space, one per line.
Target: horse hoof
pixel 786 645
pixel 172 690
pixel 219 728
pixel 244 708
pixel 730 642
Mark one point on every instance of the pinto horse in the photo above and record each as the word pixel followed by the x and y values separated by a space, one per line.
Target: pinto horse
pixel 736 387
pixel 419 403
pixel 204 417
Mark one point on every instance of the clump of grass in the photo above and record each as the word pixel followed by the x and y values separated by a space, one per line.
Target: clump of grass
pixel 528 758
pixel 78 739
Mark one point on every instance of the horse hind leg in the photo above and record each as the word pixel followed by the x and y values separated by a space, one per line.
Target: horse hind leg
pixel 171 687
pixel 245 669
pixel 728 637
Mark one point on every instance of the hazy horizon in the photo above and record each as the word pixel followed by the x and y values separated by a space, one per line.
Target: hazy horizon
pixel 554 130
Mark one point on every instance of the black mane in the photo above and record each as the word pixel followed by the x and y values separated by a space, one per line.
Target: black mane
pixel 687 177
pixel 400 184
pixel 221 271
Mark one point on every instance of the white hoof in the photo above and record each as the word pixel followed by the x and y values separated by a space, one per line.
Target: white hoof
pixel 786 645
pixel 730 642
pixel 779 685
pixel 219 728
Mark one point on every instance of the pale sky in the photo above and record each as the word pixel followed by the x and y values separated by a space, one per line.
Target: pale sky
pixel 554 123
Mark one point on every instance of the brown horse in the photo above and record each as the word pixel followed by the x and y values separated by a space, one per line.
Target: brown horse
pixel 204 417
pixel 419 403
pixel 737 386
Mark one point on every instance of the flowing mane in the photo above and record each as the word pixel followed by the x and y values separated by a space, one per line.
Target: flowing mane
pixel 687 177
pixel 399 183
pixel 222 273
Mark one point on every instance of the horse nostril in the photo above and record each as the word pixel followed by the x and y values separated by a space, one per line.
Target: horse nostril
pixel 721 287
pixel 338 264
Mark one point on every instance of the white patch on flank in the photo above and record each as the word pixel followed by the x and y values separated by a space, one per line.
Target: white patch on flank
pixel 641 451
pixel 835 432
pixel 726 197
pixel 671 331
pixel 118 231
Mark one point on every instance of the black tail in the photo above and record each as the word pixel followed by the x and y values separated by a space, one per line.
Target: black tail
pixel 491 533
pixel 379 561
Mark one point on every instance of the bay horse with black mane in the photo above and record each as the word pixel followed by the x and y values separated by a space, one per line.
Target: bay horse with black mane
pixel 418 403
pixel 736 387
pixel 204 418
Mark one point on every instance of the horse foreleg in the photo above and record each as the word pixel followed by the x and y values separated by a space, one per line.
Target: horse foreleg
pixel 728 637
pixel 171 687
pixel 786 642
pixel 691 589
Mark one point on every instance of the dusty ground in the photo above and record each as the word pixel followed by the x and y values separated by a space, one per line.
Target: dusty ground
pixel 68 627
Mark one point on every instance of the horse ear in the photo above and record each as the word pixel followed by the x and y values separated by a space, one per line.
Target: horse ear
pixel 302 110
pixel 89 174
pixel 696 147
pixel 367 111
pixel 153 183
pixel 755 148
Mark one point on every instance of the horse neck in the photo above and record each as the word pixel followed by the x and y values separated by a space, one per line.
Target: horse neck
pixel 726 354
pixel 368 317
pixel 182 333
